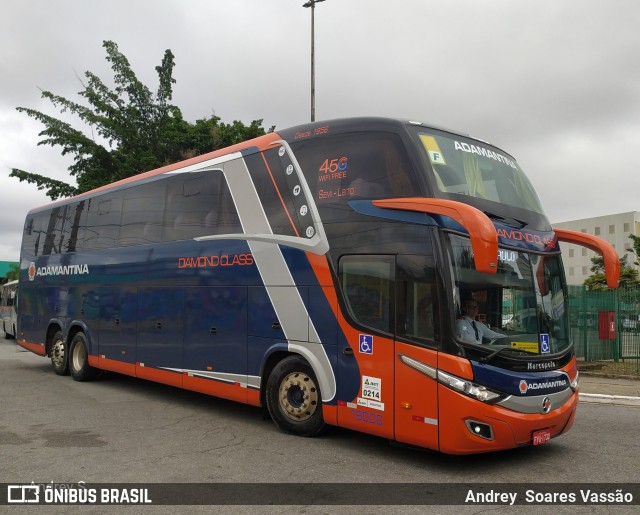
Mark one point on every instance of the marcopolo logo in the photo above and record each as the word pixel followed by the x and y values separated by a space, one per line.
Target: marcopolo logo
pixel 32 271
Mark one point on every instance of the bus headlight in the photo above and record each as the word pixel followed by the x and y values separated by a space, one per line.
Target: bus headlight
pixel 468 388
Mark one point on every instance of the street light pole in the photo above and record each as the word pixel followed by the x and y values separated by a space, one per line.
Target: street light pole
pixel 312 4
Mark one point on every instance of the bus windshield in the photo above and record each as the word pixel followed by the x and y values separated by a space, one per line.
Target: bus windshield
pixel 463 166
pixel 522 306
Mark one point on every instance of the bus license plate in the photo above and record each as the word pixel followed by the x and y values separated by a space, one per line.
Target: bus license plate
pixel 540 437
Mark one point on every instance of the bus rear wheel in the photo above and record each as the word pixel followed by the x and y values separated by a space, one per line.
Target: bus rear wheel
pixel 59 358
pixel 79 360
pixel 293 398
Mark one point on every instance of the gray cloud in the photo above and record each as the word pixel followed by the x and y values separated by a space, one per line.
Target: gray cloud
pixel 553 83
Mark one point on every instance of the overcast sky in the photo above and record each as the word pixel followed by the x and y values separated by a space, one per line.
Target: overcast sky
pixel 556 83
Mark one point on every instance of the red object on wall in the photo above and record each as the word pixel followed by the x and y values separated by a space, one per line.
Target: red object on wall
pixel 607 325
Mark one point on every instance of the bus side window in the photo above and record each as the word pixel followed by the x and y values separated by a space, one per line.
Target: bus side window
pixel 199 204
pixel 416 298
pixel 104 218
pixel 367 284
pixel 356 166
pixel 142 214
pixel 73 227
pixel 31 237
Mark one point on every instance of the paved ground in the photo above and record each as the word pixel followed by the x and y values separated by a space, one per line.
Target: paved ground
pixel 609 386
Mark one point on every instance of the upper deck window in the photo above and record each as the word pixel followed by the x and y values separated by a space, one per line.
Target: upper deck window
pixel 367 165
pixel 462 166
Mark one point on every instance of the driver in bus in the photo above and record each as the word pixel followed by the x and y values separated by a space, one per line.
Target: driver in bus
pixel 470 330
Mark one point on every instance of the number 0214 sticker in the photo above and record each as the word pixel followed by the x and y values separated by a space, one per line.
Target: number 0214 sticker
pixel 371 388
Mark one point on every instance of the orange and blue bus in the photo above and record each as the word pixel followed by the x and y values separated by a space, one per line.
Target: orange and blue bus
pixel 320 272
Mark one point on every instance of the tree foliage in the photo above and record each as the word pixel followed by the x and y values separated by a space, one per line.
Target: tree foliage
pixel 636 248
pixel 12 274
pixel 598 280
pixel 132 129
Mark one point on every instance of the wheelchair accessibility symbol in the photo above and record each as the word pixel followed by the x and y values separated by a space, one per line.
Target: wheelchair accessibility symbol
pixel 366 344
pixel 544 344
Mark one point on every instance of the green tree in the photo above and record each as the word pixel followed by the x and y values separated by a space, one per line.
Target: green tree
pixel 13 272
pixel 598 280
pixel 636 248
pixel 136 129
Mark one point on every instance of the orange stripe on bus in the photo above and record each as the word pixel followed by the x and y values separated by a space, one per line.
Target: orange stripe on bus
pixel 120 367
pixel 279 195
pixel 36 348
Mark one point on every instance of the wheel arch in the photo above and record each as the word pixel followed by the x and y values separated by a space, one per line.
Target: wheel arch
pixel 52 329
pixel 275 356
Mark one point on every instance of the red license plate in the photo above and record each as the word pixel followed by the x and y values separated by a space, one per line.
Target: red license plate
pixel 540 437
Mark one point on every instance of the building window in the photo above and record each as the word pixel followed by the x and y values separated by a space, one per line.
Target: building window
pixel 583 230
pixel 571 253
pixel 584 270
pixel 571 271
pixel 612 229
pixel 584 252
pixel 597 231
pixel 627 227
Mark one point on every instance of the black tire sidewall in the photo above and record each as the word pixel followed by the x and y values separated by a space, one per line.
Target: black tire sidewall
pixel 86 372
pixel 309 427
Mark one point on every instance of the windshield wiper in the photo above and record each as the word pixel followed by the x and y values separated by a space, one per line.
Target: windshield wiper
pixel 488 358
pixel 513 222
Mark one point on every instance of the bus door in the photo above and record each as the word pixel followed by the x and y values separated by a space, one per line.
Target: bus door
pixel 366 362
pixel 416 351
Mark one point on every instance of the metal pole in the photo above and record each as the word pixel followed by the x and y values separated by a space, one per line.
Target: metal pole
pixel 312 4
pixel 313 64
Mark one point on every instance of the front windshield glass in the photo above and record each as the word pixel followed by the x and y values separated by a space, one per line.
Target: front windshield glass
pixel 463 166
pixel 522 306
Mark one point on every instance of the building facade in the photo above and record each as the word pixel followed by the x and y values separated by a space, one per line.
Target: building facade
pixel 613 228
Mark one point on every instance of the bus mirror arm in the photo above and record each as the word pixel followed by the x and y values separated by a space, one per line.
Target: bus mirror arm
pixel 609 255
pixel 483 235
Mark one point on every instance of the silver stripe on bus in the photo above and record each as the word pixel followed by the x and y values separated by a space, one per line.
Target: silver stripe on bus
pixel 289 307
pixel 534 403
pixel 317 244
pixel 243 380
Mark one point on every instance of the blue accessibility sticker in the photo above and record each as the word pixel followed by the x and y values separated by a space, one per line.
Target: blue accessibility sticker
pixel 366 344
pixel 544 344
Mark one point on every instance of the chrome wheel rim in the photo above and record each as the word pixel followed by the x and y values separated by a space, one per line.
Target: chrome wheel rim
pixel 57 353
pixel 298 396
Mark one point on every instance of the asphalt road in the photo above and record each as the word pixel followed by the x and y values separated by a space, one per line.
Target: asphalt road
pixel 123 430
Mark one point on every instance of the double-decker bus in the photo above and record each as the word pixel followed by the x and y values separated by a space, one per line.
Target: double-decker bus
pixel 320 272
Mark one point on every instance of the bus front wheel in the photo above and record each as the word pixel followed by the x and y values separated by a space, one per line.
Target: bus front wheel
pixel 59 358
pixel 293 398
pixel 79 360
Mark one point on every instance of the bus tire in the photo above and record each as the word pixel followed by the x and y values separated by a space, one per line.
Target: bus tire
pixel 79 360
pixel 59 355
pixel 293 398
